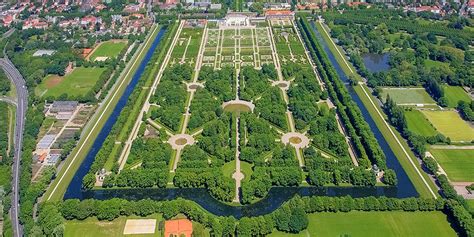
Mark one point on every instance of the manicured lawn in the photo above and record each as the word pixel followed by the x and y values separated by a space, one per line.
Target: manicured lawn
pixel 418 124
pixel 78 83
pixel 450 124
pixel 376 224
pixel 110 49
pixel 92 227
pixel 408 95
pixel 431 63
pixel 458 164
pixel 229 168
pixel 454 94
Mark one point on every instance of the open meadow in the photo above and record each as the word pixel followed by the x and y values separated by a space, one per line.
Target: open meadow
pixel 407 96
pixel 78 83
pixel 93 227
pixel 450 124
pixel 418 124
pixel 367 224
pixel 109 49
pixel 454 94
pixel 458 164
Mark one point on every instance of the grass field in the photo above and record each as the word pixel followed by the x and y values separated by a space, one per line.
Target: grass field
pixel 229 168
pixel 110 49
pixel 454 94
pixel 78 83
pixel 450 124
pixel 431 63
pixel 376 224
pixel 458 164
pixel 398 145
pixel 92 227
pixel 418 124
pixel 58 186
pixel 408 95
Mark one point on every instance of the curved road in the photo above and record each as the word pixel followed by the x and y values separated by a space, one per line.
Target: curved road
pixel 22 102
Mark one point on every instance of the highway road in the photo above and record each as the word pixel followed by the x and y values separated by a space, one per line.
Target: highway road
pixel 22 103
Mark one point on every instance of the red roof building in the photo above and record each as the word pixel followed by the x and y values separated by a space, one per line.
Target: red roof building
pixel 181 227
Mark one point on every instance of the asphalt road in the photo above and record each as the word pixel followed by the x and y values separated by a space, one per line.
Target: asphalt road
pixel 22 103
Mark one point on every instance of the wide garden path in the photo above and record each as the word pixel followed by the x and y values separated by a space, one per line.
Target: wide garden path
pixel 289 115
pixel 187 114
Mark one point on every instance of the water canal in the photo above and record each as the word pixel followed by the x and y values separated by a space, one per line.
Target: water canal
pixel 276 195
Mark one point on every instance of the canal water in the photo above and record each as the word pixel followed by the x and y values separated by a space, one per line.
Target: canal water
pixel 276 195
pixel 405 187
pixel 376 62
pixel 74 188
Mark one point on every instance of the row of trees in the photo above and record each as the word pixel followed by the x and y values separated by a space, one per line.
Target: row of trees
pixel 171 96
pixel 134 100
pixel 290 217
pixel 357 128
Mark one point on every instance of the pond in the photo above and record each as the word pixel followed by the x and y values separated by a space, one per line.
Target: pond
pixel 376 62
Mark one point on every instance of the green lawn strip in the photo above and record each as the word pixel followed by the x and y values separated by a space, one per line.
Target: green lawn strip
pixel 454 94
pixel 11 124
pixel 91 130
pixel 397 149
pixel 109 164
pixel 458 164
pixel 246 168
pixel 93 227
pixel 228 168
pixel 109 49
pixel 418 123
pixel 366 224
pixel 450 124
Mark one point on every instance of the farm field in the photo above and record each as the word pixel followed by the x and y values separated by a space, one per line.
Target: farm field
pixel 78 83
pixel 450 124
pixel 93 227
pixel 109 49
pixel 367 224
pixel 454 94
pixel 458 164
pixel 407 96
pixel 418 123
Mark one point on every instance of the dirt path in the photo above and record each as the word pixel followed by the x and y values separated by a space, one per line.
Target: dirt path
pixel 238 175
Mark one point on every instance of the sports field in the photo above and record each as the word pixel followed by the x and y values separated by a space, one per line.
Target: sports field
pixel 458 164
pixel 109 49
pixel 450 124
pixel 376 224
pixel 454 94
pixel 407 96
pixel 418 124
pixel 78 83
pixel 92 227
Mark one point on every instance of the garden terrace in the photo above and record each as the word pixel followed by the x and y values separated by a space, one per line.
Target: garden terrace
pixel 193 134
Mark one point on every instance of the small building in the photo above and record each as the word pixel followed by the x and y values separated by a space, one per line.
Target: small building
pixel 180 227
pixel 43 52
pixel 46 141
pixel 272 14
pixel 63 106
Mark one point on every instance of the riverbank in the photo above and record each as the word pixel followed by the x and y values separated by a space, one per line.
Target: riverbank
pixel 58 187
pixel 422 182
